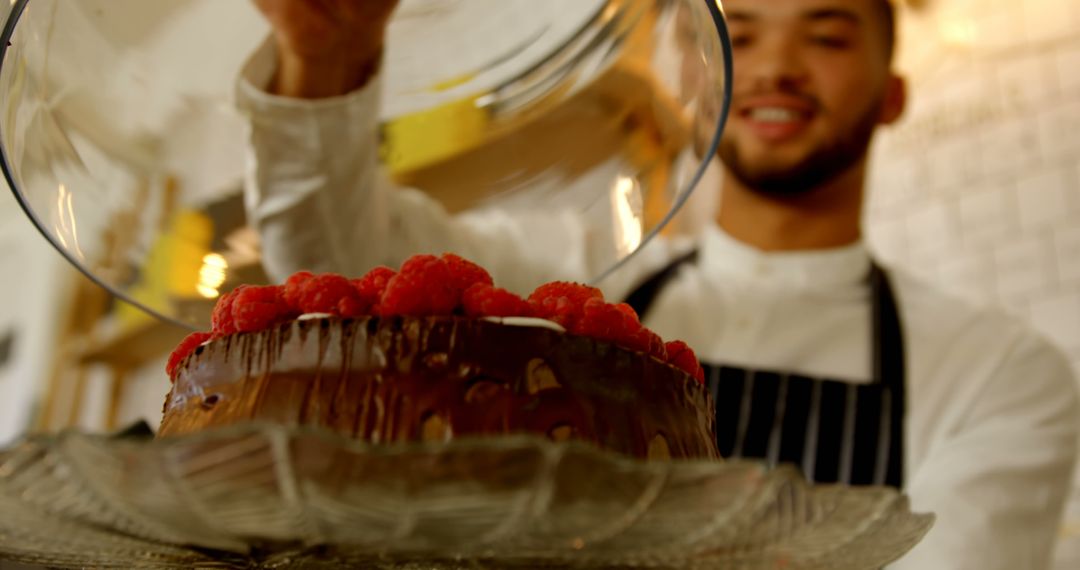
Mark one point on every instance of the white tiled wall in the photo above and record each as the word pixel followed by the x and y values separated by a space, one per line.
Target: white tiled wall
pixel 979 188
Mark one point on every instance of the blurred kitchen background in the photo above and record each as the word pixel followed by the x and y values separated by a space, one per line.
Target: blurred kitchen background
pixel 978 190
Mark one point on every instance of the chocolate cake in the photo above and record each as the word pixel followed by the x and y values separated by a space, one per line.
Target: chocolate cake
pixel 435 351
pixel 410 379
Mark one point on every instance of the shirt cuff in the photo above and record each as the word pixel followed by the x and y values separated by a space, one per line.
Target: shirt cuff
pixel 257 103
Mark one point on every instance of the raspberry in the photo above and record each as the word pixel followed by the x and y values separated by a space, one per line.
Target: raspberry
pixel 603 321
pixel 370 287
pixel 464 273
pixel 418 263
pixel 563 302
pixel 628 311
pixel 429 285
pixel 634 342
pixel 323 293
pixel 680 355
pixel 657 348
pixel 352 307
pixel 186 347
pixel 257 308
pixel 251 294
pixel 574 292
pixel 618 324
pixel 221 320
pixel 483 300
pixel 421 288
pixel 292 288
pixel 559 310
pixel 646 341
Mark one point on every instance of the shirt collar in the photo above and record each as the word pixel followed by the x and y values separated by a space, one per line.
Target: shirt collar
pixel 728 258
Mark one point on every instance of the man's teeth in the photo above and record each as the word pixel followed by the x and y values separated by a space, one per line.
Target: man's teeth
pixel 773 115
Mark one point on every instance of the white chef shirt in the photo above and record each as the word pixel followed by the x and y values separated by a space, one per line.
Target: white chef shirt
pixel 993 413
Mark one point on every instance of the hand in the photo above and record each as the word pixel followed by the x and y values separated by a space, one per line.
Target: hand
pixel 327 47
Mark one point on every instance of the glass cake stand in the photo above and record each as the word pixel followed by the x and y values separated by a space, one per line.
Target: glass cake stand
pixel 262 496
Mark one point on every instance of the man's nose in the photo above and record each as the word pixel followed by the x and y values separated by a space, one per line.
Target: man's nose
pixel 775 63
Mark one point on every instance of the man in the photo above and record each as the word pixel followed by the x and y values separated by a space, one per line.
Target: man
pixel 818 357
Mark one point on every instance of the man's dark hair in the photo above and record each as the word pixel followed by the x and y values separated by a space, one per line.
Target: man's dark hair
pixel 887 12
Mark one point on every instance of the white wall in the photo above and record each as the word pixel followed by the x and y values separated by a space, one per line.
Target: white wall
pixel 34 280
pixel 979 189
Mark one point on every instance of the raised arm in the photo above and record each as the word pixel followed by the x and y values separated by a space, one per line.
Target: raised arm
pixel 315 189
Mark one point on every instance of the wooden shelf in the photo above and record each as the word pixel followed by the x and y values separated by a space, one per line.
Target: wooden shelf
pixel 133 346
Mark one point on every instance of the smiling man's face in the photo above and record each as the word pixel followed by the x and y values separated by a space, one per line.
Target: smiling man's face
pixel 813 81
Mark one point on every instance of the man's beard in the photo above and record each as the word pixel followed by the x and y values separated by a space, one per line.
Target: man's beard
pixel 824 164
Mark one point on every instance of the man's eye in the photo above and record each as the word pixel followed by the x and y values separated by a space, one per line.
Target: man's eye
pixel 832 42
pixel 738 41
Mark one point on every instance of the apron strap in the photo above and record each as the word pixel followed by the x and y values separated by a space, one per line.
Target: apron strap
pixel 643 298
pixel 889 369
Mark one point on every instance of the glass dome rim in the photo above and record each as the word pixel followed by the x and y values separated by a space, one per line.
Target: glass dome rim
pixel 720 22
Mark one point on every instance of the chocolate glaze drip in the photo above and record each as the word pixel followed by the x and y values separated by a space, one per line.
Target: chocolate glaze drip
pixel 412 379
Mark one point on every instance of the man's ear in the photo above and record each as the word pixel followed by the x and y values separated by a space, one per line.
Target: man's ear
pixel 895 100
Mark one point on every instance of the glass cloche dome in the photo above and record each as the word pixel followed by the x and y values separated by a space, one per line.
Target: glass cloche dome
pixel 126 137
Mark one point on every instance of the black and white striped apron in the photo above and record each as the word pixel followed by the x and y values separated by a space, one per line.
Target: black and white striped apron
pixel 836 432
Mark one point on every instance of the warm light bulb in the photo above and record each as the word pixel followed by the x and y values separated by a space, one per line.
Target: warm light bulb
pixel 212 275
pixel 626 204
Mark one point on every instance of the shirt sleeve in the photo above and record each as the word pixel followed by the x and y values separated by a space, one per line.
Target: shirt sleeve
pixel 312 189
pixel 998 482
pixel 320 201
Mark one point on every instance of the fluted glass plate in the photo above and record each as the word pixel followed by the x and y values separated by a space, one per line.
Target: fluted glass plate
pixel 270 497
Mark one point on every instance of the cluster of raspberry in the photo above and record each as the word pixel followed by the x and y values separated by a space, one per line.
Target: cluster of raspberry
pixel 426 286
